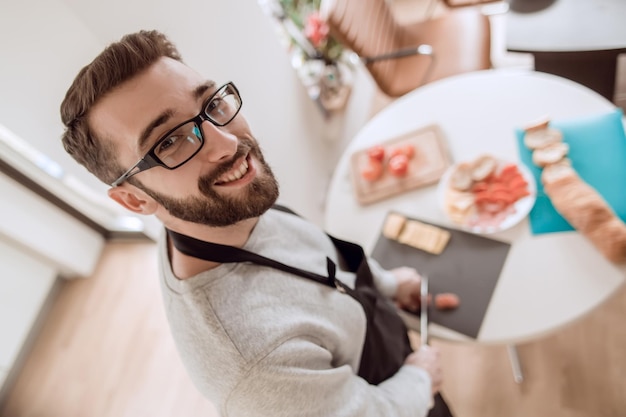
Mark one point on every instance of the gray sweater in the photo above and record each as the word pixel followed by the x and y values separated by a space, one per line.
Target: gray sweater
pixel 257 341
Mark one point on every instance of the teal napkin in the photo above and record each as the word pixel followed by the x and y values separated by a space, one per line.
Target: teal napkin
pixel 598 153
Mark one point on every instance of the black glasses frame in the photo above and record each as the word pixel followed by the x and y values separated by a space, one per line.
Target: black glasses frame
pixel 151 160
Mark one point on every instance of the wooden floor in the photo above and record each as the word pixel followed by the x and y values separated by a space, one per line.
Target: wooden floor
pixel 105 351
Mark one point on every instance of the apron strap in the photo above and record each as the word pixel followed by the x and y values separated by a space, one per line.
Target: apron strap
pixel 352 253
pixel 285 209
pixel 216 252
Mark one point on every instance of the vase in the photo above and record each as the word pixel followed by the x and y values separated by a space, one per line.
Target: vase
pixel 335 87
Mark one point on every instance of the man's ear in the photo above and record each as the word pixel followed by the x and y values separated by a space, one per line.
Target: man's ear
pixel 133 199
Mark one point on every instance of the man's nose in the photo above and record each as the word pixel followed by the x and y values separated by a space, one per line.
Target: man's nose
pixel 219 143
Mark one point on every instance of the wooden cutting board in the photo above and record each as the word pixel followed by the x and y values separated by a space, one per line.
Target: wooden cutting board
pixel 430 161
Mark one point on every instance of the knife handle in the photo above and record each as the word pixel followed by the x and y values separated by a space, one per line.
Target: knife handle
pixel 431 400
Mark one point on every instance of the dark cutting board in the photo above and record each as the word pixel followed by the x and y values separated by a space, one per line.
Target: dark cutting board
pixel 469 266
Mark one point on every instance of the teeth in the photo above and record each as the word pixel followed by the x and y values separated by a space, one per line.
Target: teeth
pixel 237 173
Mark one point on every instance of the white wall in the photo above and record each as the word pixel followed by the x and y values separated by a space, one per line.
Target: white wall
pixel 46 42
pixel 42 43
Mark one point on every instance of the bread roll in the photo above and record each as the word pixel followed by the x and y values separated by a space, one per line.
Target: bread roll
pixel 585 209
pixel 483 167
pixel 539 138
pixel 462 177
pixel 550 154
pixel 539 124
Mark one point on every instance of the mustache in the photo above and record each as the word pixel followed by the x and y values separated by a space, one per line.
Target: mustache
pixel 243 148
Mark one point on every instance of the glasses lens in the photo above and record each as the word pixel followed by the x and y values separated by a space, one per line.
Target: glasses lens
pixel 224 105
pixel 180 145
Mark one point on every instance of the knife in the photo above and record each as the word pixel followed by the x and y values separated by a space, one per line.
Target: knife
pixel 424 310
pixel 424 322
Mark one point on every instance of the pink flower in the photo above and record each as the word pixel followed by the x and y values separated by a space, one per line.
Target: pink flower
pixel 316 30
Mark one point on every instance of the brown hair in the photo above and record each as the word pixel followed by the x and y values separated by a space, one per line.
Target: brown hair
pixel 119 62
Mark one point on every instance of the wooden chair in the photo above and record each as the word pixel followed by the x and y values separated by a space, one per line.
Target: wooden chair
pixel 451 4
pixel 464 3
pixel 402 57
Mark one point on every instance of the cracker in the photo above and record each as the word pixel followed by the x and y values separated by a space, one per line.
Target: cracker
pixel 411 232
pixel 427 237
pixel 444 238
pixel 394 223
pixel 430 239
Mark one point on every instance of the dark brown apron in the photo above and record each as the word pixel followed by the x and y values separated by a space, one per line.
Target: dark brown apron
pixel 386 343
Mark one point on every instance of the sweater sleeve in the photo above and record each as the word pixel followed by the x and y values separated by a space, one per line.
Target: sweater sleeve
pixel 298 378
pixel 384 280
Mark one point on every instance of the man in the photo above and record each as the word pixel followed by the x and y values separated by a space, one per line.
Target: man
pixel 271 316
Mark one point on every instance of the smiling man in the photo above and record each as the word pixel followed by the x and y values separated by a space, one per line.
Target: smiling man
pixel 271 316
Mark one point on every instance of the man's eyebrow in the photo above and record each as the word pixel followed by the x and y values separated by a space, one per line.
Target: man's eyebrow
pixel 200 90
pixel 161 119
pixel 197 94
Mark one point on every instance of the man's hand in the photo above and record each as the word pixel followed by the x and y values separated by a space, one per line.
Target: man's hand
pixel 427 358
pixel 408 293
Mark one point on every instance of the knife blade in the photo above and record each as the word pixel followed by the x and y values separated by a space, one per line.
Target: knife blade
pixel 424 322
pixel 424 310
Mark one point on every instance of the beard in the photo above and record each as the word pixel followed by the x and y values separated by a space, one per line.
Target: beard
pixel 213 209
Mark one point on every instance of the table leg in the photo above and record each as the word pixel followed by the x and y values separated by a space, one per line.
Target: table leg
pixel 594 69
pixel 518 376
pixel 529 6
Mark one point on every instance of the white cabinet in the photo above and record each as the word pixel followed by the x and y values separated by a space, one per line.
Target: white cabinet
pixel 51 234
pixel 25 282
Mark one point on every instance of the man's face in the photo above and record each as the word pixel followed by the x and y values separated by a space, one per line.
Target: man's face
pixel 226 182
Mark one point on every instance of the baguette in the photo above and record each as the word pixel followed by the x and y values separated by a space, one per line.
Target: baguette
pixel 550 154
pixel 585 209
pixel 540 138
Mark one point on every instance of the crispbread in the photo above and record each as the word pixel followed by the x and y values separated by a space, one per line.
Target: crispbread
pixel 411 234
pixel 424 236
pixel 444 238
pixel 394 223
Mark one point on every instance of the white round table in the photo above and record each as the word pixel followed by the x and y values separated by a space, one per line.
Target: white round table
pixel 547 280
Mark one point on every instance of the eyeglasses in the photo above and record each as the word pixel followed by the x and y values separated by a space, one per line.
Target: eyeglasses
pixel 184 141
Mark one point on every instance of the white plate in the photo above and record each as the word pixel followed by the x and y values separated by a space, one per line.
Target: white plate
pixel 522 206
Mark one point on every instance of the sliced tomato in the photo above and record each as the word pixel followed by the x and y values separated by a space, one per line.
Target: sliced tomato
pixel 376 152
pixel 398 165
pixel 373 170
pixel 406 149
